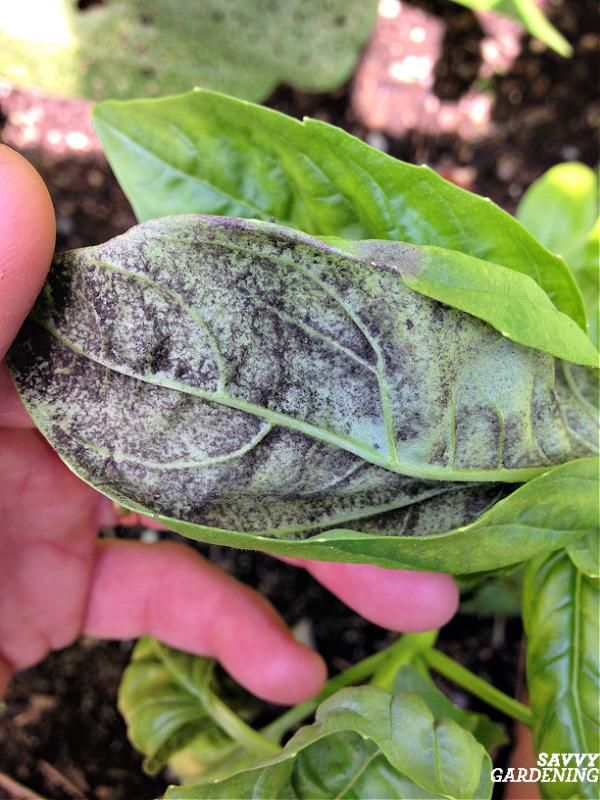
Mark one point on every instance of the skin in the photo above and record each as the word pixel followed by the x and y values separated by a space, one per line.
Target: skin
pixel 57 581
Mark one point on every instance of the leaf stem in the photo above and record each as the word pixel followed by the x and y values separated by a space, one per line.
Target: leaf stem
pixel 458 674
pixel 402 652
pixel 252 740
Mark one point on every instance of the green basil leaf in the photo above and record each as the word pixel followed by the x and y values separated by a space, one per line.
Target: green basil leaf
pixel 138 48
pixel 560 613
pixel 206 153
pixel 585 554
pixel 530 16
pixel 560 208
pixel 365 744
pixel 161 699
pixel 411 678
pixel 584 264
pixel 165 697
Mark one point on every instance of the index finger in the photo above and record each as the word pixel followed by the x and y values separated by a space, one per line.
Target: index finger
pixel 27 235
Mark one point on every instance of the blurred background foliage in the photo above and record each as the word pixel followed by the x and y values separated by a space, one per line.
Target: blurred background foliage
pixel 142 48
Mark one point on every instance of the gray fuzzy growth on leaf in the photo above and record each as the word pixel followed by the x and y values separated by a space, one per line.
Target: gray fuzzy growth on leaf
pixel 242 375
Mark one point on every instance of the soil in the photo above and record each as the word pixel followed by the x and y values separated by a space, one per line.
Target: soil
pixel 60 734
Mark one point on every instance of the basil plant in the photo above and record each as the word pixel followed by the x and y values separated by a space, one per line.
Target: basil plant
pixel 309 348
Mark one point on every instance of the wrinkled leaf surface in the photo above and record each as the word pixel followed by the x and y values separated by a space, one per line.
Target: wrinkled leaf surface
pixel 365 744
pixel 561 615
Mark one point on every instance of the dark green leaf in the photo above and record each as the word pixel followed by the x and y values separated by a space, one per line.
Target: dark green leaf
pixel 206 153
pixel 493 596
pixel 560 613
pixel 321 391
pixel 365 744
pixel 138 48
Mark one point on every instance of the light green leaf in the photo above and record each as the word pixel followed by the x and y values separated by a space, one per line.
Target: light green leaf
pixel 166 697
pixel 560 614
pixel 585 554
pixel 529 15
pixel 365 744
pixel 411 678
pixel 206 153
pixel 585 264
pixel 138 48
pixel 160 697
pixel 560 208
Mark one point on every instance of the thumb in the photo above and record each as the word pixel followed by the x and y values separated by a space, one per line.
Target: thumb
pixel 27 234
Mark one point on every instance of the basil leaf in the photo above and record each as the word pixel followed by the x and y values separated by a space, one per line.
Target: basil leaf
pixel 585 554
pixel 584 264
pixel 138 48
pixel 411 678
pixel 165 698
pixel 206 153
pixel 306 376
pixel 560 613
pixel 560 208
pixel 365 743
pixel 514 529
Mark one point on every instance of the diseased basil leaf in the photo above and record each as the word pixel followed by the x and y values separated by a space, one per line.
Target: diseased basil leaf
pixel 364 744
pixel 514 529
pixel 241 376
pixel 204 153
pixel 561 616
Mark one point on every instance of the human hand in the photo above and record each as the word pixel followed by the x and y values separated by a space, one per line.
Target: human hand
pixel 57 581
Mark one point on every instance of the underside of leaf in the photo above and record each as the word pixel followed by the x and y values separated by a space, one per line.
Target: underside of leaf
pixel 240 375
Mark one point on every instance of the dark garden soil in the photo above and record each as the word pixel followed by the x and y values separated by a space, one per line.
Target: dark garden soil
pixel 60 734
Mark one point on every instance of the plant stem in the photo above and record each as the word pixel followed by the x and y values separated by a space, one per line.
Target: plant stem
pixel 403 652
pixel 252 740
pixel 447 667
